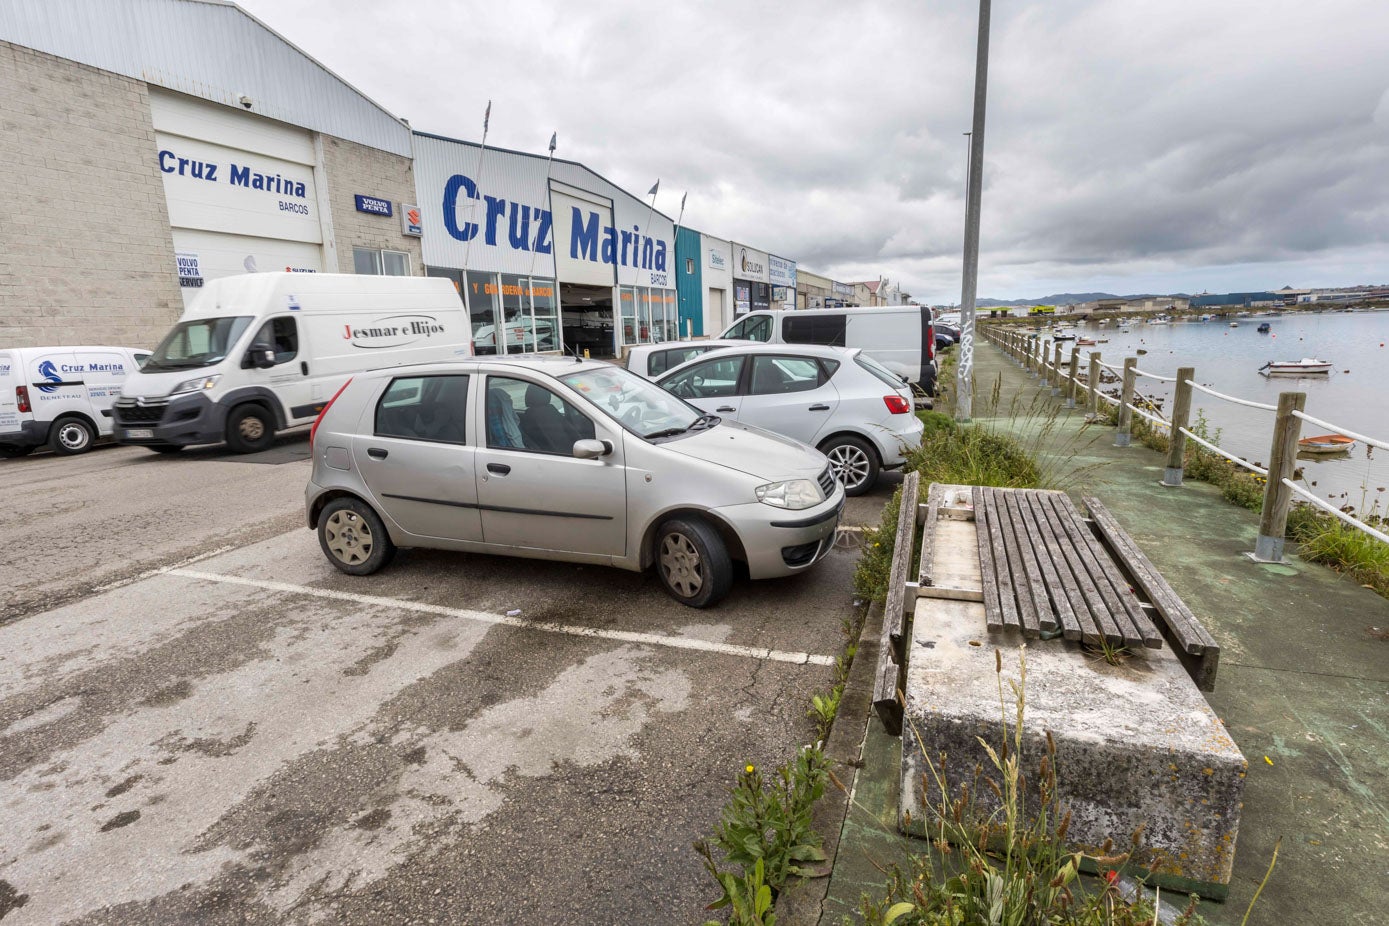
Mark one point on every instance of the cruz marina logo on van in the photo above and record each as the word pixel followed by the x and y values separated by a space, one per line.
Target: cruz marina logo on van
pixel 393 331
pixel 50 373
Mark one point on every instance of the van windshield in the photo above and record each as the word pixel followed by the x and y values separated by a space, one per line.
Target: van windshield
pixel 199 343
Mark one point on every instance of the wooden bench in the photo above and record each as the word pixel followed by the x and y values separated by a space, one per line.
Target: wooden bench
pixel 891 655
pixel 1190 640
pixel 1046 574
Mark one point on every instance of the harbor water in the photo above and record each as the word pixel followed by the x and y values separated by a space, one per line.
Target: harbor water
pixel 1354 396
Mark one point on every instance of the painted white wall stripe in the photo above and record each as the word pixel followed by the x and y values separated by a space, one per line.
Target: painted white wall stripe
pixel 626 636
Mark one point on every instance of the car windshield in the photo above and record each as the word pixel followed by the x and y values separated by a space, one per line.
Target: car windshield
pixel 639 404
pixel 198 343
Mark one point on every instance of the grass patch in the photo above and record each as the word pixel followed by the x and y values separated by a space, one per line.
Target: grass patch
pixel 871 573
pixel 1324 539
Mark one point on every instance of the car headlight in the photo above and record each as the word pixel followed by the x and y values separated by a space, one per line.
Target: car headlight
pixel 793 494
pixel 195 385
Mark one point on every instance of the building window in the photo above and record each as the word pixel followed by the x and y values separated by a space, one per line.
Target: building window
pixel 689 265
pixel 378 262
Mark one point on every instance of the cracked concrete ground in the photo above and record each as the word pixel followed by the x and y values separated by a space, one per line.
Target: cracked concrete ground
pixel 257 738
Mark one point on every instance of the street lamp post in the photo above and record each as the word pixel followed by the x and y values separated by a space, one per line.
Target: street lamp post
pixel 964 375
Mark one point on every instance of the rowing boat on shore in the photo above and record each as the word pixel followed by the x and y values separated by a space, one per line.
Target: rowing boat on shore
pixel 1326 443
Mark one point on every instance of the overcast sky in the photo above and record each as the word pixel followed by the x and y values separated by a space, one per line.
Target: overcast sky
pixel 1131 146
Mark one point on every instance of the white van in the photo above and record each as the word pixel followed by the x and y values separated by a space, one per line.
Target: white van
pixel 261 352
pixel 60 396
pixel 900 337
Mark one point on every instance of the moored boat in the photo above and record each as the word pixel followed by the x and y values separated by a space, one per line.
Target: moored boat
pixel 1263 328
pixel 1297 367
pixel 1085 342
pixel 1326 443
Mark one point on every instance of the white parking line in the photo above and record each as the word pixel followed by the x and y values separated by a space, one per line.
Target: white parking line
pixel 626 636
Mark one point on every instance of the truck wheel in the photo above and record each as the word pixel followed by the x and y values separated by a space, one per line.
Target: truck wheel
pixel 250 429
pixel 10 451
pixel 854 462
pixel 692 562
pixel 71 435
pixel 353 537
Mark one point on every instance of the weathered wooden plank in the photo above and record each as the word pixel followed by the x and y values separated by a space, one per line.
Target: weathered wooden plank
pixel 1033 601
pixel 1194 638
pixel 1007 570
pixel 1011 558
pixel 949 592
pixel 1105 603
pixel 1138 628
pixel 994 617
pixel 928 534
pixel 1059 603
pixel 885 702
pixel 1077 622
pixel 895 608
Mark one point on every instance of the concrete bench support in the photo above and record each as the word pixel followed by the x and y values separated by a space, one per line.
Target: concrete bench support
pixel 1136 743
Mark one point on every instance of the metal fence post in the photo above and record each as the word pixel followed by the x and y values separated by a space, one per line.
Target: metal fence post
pixel 1273 519
pixel 1181 417
pixel 1121 434
pixel 1056 369
pixel 1071 378
pixel 1093 404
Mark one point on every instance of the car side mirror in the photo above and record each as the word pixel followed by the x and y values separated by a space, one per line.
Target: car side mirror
pixel 592 449
pixel 261 356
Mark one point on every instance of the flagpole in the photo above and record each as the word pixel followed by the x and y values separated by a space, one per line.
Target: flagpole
pixel 472 203
pixel 680 329
pixel 636 258
pixel 530 278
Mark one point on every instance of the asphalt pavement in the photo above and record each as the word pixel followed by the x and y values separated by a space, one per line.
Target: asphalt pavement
pixel 201 720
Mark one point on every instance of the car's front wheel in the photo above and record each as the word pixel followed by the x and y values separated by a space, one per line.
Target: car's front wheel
pixel 353 537
pixel 854 462
pixel 693 562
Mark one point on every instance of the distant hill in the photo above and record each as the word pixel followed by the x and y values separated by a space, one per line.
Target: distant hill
pixel 1054 299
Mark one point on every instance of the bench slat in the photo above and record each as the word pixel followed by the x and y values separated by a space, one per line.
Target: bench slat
pixel 1058 602
pixel 1075 580
pixel 1194 637
pixel 1106 603
pixel 1008 564
pixel 994 583
pixel 1129 612
pixel 1033 604
pixel 934 495
pixel 895 608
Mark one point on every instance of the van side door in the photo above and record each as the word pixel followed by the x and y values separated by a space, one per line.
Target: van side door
pixel 288 376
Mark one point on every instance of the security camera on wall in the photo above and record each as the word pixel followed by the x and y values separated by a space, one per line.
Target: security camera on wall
pixel 246 101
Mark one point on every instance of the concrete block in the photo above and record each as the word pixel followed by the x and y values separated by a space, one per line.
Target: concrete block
pixel 1136 743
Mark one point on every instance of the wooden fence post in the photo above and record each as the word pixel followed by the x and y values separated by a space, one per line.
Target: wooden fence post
pixel 1056 369
pixel 1029 349
pixel 1094 383
pixel 1273 519
pixel 1121 434
pixel 1181 417
pixel 1071 378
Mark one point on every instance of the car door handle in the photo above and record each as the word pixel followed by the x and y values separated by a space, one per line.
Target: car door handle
pixel 377 453
pixel 304 367
pixel 820 408
pixel 501 469
pixel 725 408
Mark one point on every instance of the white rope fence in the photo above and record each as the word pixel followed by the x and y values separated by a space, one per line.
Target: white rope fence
pixel 1230 398
pixel 1340 430
pixel 1216 450
pixel 1332 509
pixel 1165 379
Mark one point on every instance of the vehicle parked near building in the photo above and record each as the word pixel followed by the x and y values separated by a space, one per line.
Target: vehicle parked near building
pixel 60 396
pixel 840 400
pixel 554 458
pixel 260 352
pixel 651 360
pixel 900 338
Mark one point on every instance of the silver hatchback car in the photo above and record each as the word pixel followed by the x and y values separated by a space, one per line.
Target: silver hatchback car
pixel 553 458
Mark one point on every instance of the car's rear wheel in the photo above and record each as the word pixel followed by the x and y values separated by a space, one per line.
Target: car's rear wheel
pixel 71 435
pixel 353 537
pixel 250 428
pixel 693 562
pixel 854 462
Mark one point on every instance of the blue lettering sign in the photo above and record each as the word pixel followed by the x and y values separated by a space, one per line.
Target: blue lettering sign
pixel 373 205
pixel 584 237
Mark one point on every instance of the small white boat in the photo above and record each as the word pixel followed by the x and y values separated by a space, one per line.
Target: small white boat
pixel 1159 320
pixel 1326 443
pixel 1303 367
pixel 1234 324
pixel 1063 334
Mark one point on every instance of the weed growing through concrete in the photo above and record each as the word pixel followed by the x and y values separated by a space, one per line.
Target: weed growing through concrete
pixel 997 851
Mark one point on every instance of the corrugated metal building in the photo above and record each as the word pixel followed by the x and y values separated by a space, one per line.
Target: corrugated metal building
pixel 152 145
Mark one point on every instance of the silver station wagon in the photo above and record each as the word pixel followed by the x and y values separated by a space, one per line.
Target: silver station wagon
pixel 553 458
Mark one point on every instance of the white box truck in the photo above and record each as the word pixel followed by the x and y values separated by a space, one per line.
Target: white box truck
pixel 60 396
pixel 260 352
